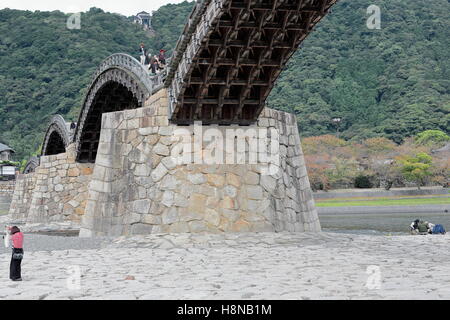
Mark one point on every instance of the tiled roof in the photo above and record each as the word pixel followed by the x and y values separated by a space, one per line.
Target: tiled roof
pixel 4 147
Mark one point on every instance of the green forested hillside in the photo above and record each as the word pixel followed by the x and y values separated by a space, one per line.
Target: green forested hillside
pixel 392 82
pixel 45 68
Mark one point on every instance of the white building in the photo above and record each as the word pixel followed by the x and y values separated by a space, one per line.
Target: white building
pixel 143 18
pixel 7 171
pixel 5 152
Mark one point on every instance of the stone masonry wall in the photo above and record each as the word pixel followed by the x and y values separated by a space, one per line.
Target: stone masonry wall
pixel 21 200
pixel 6 193
pixel 139 187
pixel 56 191
pixel 7 187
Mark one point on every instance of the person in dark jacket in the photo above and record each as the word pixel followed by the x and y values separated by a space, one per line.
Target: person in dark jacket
pixel 17 254
pixel 414 227
pixel 154 64
pixel 148 59
pixel 162 57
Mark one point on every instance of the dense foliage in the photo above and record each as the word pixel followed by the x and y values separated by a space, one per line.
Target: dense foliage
pixel 417 168
pixel 169 21
pixel 376 162
pixel 432 138
pixel 392 82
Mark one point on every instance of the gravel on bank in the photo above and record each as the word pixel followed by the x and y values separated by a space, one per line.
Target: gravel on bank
pixel 239 266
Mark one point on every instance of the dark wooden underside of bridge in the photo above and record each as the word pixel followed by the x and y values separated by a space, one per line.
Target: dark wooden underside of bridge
pixel 55 144
pixel 238 63
pixel 110 98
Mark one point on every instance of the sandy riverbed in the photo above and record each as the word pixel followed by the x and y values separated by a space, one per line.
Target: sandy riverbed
pixel 235 266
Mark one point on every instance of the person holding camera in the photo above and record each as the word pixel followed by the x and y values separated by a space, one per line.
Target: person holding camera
pixel 14 235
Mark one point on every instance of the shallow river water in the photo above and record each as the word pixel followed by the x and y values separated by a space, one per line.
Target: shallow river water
pixel 381 224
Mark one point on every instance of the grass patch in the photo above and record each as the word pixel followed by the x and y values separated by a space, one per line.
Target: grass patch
pixel 384 198
pixel 382 202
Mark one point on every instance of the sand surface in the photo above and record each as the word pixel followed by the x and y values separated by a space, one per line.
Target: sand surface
pixel 233 266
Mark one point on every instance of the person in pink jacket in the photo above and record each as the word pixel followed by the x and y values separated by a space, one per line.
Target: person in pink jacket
pixel 17 254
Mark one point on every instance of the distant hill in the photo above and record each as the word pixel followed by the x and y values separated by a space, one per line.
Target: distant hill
pixel 45 67
pixel 392 82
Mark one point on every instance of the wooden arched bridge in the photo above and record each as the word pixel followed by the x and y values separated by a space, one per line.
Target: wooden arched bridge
pixel 57 137
pixel 121 82
pixel 231 53
pixel 222 70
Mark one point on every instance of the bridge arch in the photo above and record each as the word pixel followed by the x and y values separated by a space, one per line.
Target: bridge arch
pixel 231 53
pixel 31 165
pixel 120 82
pixel 57 137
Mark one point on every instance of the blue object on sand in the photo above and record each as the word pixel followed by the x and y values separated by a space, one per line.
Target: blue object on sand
pixel 439 228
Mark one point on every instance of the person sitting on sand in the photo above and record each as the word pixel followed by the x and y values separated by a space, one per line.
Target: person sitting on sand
pixel 435 228
pixel 17 254
pixel 438 229
pixel 422 227
pixel 430 227
pixel 414 227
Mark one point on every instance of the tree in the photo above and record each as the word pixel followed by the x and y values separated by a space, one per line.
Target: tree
pixel 441 171
pixel 432 138
pixel 318 171
pixel 416 169
pixel 343 172
pixel 320 144
pixel 379 145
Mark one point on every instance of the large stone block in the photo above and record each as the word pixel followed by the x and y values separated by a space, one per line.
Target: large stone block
pixel 141 206
pixel 159 172
pixel 196 178
pixel 170 215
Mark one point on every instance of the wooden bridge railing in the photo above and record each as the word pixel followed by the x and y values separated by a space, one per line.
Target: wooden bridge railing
pixel 129 63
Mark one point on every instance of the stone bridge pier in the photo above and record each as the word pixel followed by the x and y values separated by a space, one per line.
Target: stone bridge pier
pixel 55 191
pixel 139 186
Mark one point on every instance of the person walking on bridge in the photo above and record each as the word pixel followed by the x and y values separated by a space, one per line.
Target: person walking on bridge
pixel 154 64
pixel 143 53
pixel 162 57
